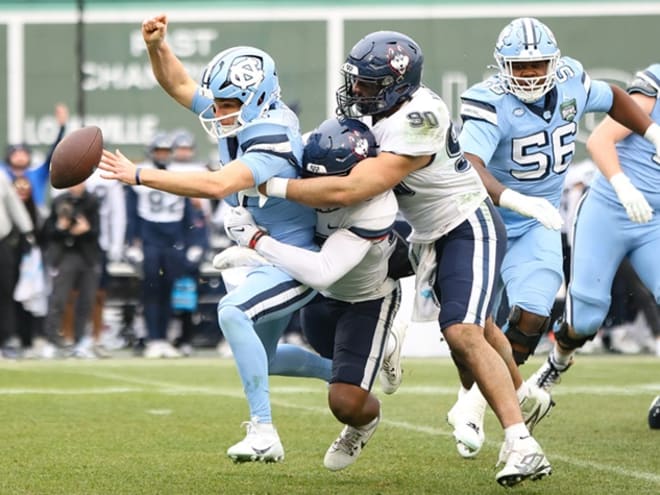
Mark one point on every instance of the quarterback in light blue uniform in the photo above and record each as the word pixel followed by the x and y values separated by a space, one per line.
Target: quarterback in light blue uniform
pixel 238 103
pixel 619 216
pixel 520 127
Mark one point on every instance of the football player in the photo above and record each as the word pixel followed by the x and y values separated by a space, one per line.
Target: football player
pixel 458 238
pixel 519 131
pixel 350 319
pixel 238 103
pixel 618 218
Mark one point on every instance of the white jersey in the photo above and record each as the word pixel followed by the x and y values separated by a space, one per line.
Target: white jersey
pixel 158 206
pixel 356 246
pixel 440 196
pixel 112 212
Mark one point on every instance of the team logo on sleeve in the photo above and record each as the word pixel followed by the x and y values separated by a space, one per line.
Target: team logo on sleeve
pixel 398 60
pixel 568 110
pixel 246 72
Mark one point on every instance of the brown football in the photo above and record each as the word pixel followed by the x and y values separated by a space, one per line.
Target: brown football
pixel 76 157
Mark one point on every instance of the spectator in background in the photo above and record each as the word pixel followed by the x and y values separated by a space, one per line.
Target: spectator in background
pixel 15 222
pixel 30 326
pixel 184 158
pixel 19 163
pixel 158 225
pixel 73 257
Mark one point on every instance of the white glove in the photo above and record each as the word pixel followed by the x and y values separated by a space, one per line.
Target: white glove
pixel 637 208
pixel 194 254
pixel 240 226
pixel 533 207
pixel 237 256
pixel 134 255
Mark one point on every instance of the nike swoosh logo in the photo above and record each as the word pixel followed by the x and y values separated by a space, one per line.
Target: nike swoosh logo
pixel 238 229
pixel 261 451
pixel 333 227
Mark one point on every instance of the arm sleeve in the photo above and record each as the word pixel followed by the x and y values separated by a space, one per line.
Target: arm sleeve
pixel 341 252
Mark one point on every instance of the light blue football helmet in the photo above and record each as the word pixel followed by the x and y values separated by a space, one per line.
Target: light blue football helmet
pixel 245 73
pixel 526 40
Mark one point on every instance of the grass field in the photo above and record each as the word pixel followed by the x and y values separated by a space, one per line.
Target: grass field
pixel 131 426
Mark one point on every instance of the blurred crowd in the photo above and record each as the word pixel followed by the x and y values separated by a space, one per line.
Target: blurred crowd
pixel 128 266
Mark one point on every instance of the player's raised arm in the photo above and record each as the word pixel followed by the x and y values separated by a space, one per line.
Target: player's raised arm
pixel 167 68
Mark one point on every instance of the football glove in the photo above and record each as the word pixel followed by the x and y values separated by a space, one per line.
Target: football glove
pixel 241 228
pixel 532 207
pixel 637 208
pixel 237 256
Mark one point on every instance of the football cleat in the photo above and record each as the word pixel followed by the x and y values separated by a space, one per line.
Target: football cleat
pixel 345 450
pixel 535 405
pixel 548 375
pixel 523 459
pixel 467 419
pixel 261 444
pixel 654 414
pixel 391 373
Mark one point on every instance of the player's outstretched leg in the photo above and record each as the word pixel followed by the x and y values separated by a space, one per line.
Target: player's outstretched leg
pixel 262 443
pixel 391 373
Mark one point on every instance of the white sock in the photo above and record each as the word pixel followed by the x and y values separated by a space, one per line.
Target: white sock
pixel 515 432
pixel 561 358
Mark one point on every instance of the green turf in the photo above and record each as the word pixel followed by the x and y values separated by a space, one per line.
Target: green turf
pixel 131 426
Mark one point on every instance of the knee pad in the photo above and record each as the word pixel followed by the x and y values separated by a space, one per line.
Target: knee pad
pixel 523 344
pixel 567 341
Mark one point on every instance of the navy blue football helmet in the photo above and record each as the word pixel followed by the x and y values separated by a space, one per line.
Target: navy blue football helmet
pixel 654 414
pixel 386 67
pixel 336 146
pixel 159 149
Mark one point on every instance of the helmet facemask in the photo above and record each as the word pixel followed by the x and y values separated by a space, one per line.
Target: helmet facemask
pixel 242 73
pixel 527 40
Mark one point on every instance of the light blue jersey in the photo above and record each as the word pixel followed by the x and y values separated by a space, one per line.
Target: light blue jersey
pixel 528 147
pixel 603 233
pixel 635 152
pixel 270 146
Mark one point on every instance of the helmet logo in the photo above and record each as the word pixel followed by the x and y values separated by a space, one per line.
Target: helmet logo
pixel 359 144
pixel 246 72
pixel 398 60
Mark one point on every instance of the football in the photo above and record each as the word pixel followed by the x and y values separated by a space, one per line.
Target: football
pixel 75 157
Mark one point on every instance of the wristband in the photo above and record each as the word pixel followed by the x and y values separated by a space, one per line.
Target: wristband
pixel 137 176
pixel 255 238
pixel 276 187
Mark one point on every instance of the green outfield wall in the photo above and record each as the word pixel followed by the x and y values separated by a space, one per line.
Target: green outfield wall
pixel 308 41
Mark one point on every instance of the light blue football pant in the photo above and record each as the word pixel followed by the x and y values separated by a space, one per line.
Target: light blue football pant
pixel 253 317
pixel 603 235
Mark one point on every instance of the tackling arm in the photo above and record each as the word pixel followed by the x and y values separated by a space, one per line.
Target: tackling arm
pixel 367 179
pixel 341 252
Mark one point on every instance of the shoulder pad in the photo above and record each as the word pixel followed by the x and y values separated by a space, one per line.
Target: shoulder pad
pixel 647 82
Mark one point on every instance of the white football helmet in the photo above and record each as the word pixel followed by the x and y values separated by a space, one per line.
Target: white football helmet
pixel 527 40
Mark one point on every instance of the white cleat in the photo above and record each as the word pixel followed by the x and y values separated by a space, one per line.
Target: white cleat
pixel 261 444
pixel 535 405
pixel 345 450
pixel 548 375
pixel 391 373
pixel 157 349
pixel 523 459
pixel 467 419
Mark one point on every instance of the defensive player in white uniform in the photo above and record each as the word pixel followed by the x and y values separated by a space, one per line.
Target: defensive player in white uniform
pixel 521 124
pixel 238 103
pixel 618 217
pixel 458 236
pixel 350 319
